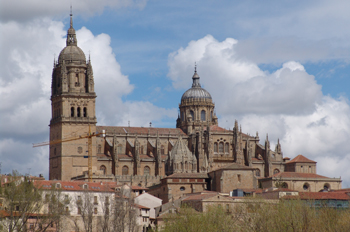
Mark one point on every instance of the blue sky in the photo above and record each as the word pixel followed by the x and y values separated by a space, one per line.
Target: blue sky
pixel 278 67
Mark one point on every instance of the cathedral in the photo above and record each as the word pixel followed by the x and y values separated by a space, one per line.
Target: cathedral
pixel 145 155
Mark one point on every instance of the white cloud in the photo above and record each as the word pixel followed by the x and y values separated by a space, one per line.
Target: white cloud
pixel 287 104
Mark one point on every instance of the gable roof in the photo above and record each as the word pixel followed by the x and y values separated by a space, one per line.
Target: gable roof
pixel 301 159
pixel 199 197
pixel 324 196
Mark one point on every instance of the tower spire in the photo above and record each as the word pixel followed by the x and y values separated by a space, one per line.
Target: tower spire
pixel 71 17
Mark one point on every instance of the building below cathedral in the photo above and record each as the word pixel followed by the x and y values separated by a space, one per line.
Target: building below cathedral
pixel 198 151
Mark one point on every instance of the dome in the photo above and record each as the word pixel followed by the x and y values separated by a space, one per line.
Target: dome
pixel 196 92
pixel 72 53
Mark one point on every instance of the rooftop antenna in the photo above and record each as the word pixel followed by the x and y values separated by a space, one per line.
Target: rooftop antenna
pixel 128 123
pixel 150 124
pixel 71 15
pixel 195 66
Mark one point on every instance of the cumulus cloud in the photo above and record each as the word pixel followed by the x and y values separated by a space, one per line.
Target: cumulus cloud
pixel 287 104
pixel 25 88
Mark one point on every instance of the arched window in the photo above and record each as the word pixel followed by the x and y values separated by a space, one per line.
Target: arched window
pixel 284 185
pixel 85 112
pixel 146 171
pixel 306 186
pixel 120 149
pixel 215 147
pixel 78 112
pixel 162 150
pixel 257 172
pixel 221 147
pixel 72 111
pixel 203 116
pixel 103 169
pixel 326 187
pixel 186 165
pixel 276 171
pixel 125 171
pixel 226 147
pixel 192 114
pixel 183 116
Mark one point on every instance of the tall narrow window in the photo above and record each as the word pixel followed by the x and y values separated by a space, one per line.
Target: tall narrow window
pixel 78 112
pixel 85 112
pixel 141 150
pixel 99 148
pixel 183 116
pixel 120 149
pixel 125 171
pixel 103 169
pixel 221 147
pixel 203 116
pixel 72 111
pixel 146 171
pixel 215 147
pixel 226 147
pixel 192 114
pixel 162 150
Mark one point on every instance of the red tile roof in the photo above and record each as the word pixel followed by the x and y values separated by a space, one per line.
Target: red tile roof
pixel 301 159
pixel 78 185
pixel 299 175
pixel 324 196
pixel 140 130
pixel 199 197
pixel 215 128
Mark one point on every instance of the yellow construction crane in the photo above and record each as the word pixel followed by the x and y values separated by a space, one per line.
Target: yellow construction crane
pixel 89 137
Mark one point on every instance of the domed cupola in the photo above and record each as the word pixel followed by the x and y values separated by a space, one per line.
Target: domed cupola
pixel 196 108
pixel 72 53
pixel 196 92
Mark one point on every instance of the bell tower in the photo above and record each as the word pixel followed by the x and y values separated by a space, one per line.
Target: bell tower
pixel 73 110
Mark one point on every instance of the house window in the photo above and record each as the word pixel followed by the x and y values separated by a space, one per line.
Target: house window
pixel 72 111
pixel 284 185
pixel 226 147
pixel 306 186
pixel 146 171
pixel 326 187
pixel 95 210
pixel 162 150
pixel 95 200
pixel 80 150
pixel 276 171
pixel 203 116
pixel 239 178
pixel 79 210
pixel 99 148
pixel 141 150
pixel 182 116
pixel 103 169
pixel 182 188
pixel 78 112
pixel 125 171
pixel 221 147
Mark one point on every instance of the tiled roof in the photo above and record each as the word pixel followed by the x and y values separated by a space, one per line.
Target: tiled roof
pixel 298 175
pixel 301 159
pixel 78 185
pixel 140 130
pixel 215 128
pixel 199 197
pixel 234 166
pixel 324 196
pixel 187 175
pixel 141 206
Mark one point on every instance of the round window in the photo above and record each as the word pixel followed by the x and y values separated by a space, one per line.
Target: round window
pixel 182 188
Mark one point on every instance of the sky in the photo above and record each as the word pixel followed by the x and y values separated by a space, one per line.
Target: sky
pixel 278 67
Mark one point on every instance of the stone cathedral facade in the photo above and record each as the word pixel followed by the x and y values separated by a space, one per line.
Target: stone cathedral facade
pixel 144 155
